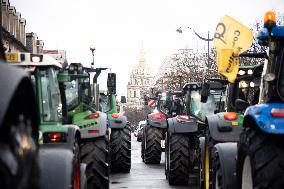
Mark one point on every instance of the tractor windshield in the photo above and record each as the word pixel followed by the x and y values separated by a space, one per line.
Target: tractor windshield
pixel 202 110
pixel 51 101
pixel 104 103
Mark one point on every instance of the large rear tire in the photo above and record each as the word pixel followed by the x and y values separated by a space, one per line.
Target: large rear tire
pixel 153 149
pixel 201 162
pixel 95 154
pixel 208 157
pixel 178 159
pixel 120 149
pixel 76 166
pixel 143 144
pixel 19 166
pixel 260 160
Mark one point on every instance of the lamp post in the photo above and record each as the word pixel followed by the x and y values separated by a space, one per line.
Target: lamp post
pixel 208 39
pixel 93 48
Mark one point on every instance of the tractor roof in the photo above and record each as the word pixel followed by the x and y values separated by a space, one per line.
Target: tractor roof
pixel 29 59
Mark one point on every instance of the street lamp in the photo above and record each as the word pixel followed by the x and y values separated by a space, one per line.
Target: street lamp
pixel 208 39
pixel 93 48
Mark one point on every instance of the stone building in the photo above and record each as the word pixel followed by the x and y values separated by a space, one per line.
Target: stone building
pixel 141 79
pixel 15 38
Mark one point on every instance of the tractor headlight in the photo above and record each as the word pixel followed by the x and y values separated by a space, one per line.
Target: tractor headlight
pixel 241 72
pixel 250 72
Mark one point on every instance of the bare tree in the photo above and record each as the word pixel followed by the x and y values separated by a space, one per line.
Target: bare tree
pixel 134 115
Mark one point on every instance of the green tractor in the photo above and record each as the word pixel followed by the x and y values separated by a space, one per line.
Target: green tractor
pixel 120 130
pixel 81 110
pixel 59 151
pixel 224 127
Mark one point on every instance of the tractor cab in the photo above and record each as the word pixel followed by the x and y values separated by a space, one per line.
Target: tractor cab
pixel 169 103
pixel 43 70
pixel 203 99
pixel 175 103
pixel 160 110
pixel 80 107
pixel 245 90
pixel 59 142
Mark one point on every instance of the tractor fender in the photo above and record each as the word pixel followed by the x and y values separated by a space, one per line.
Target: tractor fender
pixel 214 123
pixel 102 129
pixel 261 115
pixel 227 153
pixel 16 83
pixel 72 133
pixel 157 123
pixel 174 126
pixel 118 123
pixel 56 161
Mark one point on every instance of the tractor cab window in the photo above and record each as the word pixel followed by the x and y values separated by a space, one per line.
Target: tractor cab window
pixel 104 103
pixel 71 92
pixel 199 109
pixel 218 98
pixel 85 91
pixel 249 91
pixel 51 100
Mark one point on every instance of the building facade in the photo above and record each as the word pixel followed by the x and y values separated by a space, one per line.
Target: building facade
pixel 140 83
pixel 15 38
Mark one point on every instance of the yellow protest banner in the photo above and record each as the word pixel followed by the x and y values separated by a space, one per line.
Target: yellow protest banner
pixel 231 39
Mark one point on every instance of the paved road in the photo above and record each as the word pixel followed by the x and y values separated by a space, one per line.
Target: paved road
pixel 142 176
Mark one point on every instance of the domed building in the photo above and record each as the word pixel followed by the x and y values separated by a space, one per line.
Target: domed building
pixel 141 79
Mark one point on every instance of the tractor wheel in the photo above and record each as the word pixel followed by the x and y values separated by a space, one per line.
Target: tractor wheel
pixel 153 150
pixel 143 145
pixel 76 166
pixel 179 159
pixel 167 155
pixel 260 160
pixel 19 167
pixel 120 149
pixel 201 162
pixel 95 154
pixel 209 145
pixel 18 155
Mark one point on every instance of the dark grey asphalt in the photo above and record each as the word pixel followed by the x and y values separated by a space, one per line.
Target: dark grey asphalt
pixel 142 176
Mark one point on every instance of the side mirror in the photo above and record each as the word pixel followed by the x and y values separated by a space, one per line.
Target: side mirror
pixel 205 91
pixel 111 83
pixel 123 99
pixel 241 105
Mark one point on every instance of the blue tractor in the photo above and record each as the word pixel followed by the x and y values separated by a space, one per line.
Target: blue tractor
pixel 261 147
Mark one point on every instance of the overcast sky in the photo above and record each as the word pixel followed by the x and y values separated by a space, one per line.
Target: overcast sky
pixel 119 28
